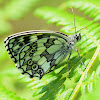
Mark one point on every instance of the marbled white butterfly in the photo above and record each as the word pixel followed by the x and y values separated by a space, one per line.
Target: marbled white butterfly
pixel 38 52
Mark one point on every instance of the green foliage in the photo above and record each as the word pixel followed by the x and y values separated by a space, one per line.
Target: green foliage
pixel 17 8
pixel 89 9
pixel 8 95
pixel 84 83
pixel 14 10
pixel 91 88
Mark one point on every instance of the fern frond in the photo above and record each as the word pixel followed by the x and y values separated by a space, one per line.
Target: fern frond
pixel 90 84
pixel 58 16
pixel 89 9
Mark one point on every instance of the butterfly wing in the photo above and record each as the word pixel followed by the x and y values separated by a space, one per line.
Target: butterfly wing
pixel 37 52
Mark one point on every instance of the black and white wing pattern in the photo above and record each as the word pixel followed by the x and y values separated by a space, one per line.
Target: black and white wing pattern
pixel 37 52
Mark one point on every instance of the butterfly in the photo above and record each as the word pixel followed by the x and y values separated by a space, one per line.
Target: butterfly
pixel 37 53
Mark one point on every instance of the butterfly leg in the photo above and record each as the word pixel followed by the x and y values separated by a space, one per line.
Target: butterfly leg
pixel 68 64
pixel 80 58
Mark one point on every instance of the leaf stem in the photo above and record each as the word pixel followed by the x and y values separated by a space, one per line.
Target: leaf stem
pixel 77 88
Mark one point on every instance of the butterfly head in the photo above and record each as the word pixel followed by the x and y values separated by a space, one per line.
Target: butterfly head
pixel 74 38
pixel 77 37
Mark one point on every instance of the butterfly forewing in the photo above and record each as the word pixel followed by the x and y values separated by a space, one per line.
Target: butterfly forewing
pixel 37 52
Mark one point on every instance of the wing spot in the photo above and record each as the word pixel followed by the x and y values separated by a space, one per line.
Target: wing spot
pixel 30 62
pixel 40 71
pixel 32 51
pixel 35 67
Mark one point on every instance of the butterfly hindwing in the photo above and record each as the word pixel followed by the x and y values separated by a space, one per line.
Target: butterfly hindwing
pixel 37 53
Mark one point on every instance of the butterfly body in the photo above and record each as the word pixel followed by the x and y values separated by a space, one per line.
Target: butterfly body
pixel 38 52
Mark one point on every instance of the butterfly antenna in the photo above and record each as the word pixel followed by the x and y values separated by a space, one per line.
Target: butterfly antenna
pixel 74 18
pixel 81 29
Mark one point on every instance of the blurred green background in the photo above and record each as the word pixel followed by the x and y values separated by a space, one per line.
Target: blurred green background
pixel 17 16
